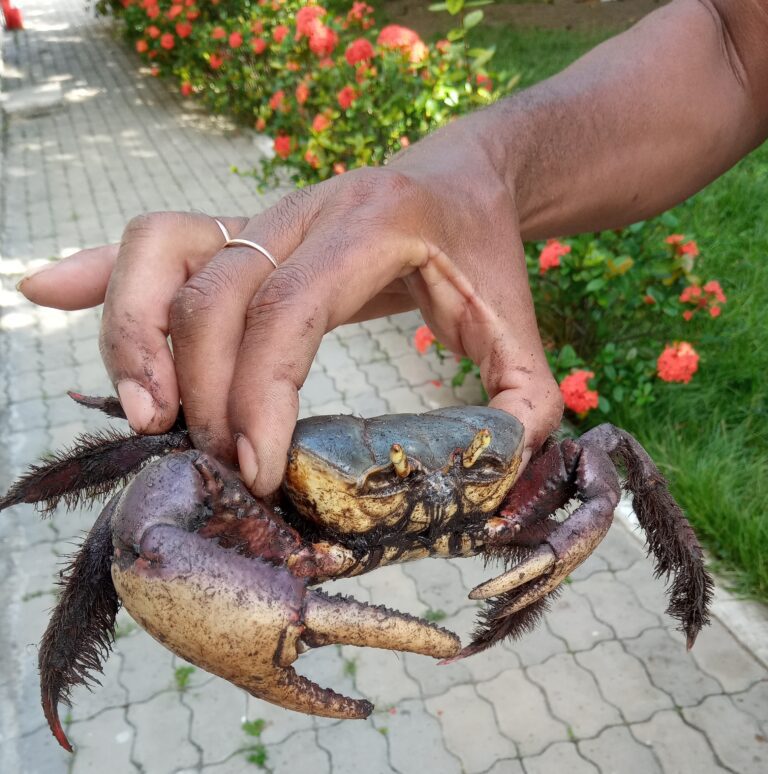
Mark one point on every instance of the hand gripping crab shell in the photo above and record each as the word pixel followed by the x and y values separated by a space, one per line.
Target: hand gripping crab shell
pixel 227 581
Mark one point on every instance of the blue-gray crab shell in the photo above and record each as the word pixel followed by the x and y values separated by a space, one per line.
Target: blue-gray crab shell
pixel 341 473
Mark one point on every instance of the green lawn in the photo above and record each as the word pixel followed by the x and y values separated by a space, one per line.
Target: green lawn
pixel 711 436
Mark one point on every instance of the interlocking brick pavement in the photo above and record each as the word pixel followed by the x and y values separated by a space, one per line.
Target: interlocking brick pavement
pixel 604 684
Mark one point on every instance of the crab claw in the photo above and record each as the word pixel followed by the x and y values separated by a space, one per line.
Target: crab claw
pixel 247 620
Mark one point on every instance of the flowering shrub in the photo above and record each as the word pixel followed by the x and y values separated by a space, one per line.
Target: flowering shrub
pixel 332 90
pixel 617 311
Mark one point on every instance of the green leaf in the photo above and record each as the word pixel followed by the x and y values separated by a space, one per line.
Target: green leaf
pixel 254 727
pixel 481 56
pixel 455 34
pixel 603 404
pixel 438 7
pixel 473 19
pixel 595 284
pixel 454 6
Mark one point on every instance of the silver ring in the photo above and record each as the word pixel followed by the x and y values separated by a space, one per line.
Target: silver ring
pixel 255 246
pixel 229 242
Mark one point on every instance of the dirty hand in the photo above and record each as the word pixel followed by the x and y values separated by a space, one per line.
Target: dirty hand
pixel 436 229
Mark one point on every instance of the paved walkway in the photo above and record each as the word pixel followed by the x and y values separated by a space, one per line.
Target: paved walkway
pixel 604 685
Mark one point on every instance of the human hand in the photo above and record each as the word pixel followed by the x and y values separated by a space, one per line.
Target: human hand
pixel 436 229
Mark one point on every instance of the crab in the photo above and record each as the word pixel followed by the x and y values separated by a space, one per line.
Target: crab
pixel 226 580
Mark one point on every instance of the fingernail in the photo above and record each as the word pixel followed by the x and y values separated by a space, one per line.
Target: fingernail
pixel 246 457
pixel 137 404
pixel 33 272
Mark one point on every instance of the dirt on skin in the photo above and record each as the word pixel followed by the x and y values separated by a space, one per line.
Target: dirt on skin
pixel 557 14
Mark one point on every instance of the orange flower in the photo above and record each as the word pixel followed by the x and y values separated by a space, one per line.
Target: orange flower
pixel 423 339
pixel 183 29
pixel 302 93
pixel 153 32
pixel 280 32
pixel 277 100
pixel 283 146
pixel 167 41
pixel 186 88
pixel 258 45
pixel 649 299
pixel 483 81
pixel 261 124
pixel 192 14
pixel 443 46
pixel 142 45
pixel 688 315
pixel 235 40
pixel 678 362
pixel 339 168
pixel 404 142
pixel 713 287
pixel 576 393
pixel 551 254
pixel 174 11
pixel 306 20
pixel 689 248
pixel 216 61
pixel 403 39
pixel 320 123
pixel 359 50
pixel 312 159
pixel 714 311
pixel 323 40
pixel 359 12
pixel 257 28
pixel 219 33
pixel 153 12
pixel 674 239
pixel 691 293
pixel 346 97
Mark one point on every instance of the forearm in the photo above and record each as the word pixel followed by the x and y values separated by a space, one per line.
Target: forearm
pixel 638 124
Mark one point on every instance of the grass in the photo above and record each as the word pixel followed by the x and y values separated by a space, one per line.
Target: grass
pixel 255 753
pixel 710 437
pixel 181 676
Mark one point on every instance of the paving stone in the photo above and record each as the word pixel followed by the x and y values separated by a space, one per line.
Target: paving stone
pixel 35 753
pixel 619 549
pixel 719 654
pixel 319 388
pixel 469 729
pixel 147 666
pixel 111 693
pixel 379 325
pixel 298 753
pixel 415 369
pixel 403 400
pixel 392 342
pixel 623 681
pixel 382 376
pixel 573 695
pixel 735 736
pixel 571 618
pixel 615 750
pixel 367 405
pixel 33 100
pixel 537 646
pixel 217 713
pixel 440 585
pixel 563 756
pixel 279 723
pixel 416 743
pixel 350 381
pixel 526 718
pixel 650 591
pixel 755 702
pixel 616 605
pixel 506 767
pixel 164 719
pixel 671 668
pixel 102 744
pixel 390 586
pixel 592 565
pixel 354 745
pixel 679 748
pixel 380 676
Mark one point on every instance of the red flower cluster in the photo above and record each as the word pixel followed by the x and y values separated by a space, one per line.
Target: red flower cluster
pixel 677 363
pixel 551 254
pixel 359 50
pixel 346 97
pixel 681 246
pixel 403 39
pixel 576 393
pixel 710 296
pixel 360 13
pixel 283 146
pixel 322 39
pixel 423 339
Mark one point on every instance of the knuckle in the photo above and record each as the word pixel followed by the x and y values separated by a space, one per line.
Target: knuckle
pixel 286 286
pixel 195 298
pixel 146 224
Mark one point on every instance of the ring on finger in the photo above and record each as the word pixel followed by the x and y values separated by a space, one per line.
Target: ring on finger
pixel 230 242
